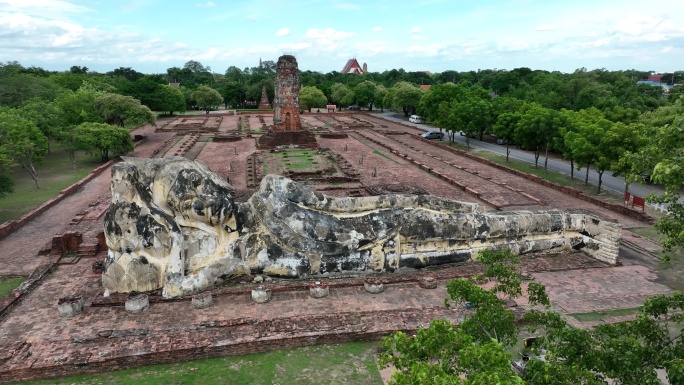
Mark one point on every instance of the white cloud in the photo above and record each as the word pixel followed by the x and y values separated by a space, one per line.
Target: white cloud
pixel 347 6
pixel 283 32
pixel 415 30
pixel 328 38
pixel 377 29
pixel 50 9
pixel 208 4
pixel 546 27
pixel 295 46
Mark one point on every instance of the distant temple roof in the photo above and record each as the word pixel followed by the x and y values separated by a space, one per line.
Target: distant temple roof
pixel 352 67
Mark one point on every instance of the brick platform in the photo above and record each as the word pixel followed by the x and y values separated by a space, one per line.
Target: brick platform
pixel 35 341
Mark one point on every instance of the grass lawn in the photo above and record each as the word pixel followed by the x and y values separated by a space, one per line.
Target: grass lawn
pixel 298 159
pixel 9 284
pixel 55 174
pixel 351 363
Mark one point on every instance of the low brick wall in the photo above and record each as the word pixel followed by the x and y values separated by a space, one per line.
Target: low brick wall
pixel 241 338
pixel 618 208
pixel 13 298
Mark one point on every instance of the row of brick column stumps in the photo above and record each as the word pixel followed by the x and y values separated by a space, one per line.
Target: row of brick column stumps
pixel 321 289
pixel 72 306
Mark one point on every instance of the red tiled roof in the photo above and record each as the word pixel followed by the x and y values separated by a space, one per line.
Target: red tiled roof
pixel 425 86
pixel 352 67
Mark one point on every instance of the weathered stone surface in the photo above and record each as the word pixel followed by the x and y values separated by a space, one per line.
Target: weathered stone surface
pixel 373 286
pixel 202 300
pixel 174 225
pixel 261 294
pixel 70 306
pixel 318 289
pixel 137 303
pixel 427 282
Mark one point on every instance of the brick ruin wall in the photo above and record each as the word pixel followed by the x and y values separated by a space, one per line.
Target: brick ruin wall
pixel 286 101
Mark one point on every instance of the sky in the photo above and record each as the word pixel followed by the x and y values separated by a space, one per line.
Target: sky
pixel 422 35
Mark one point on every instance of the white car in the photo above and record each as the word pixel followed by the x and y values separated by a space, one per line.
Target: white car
pixel 416 119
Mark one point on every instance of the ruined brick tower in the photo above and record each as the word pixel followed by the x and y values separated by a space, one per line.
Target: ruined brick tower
pixel 287 126
pixel 286 102
pixel 264 104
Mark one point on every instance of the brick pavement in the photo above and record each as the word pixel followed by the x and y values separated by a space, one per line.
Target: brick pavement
pixel 582 291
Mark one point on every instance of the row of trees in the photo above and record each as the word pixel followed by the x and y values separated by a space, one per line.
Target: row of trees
pixel 474 352
pixel 593 118
pixel 578 90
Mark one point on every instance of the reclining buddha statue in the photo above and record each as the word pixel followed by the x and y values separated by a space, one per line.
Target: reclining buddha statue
pixel 173 225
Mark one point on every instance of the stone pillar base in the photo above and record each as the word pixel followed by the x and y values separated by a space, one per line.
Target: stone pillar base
pixel 318 289
pixel 427 282
pixel 202 300
pixel 137 303
pixel 373 286
pixel 70 306
pixel 261 294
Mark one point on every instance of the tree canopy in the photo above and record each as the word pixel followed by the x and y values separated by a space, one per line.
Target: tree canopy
pixel 312 97
pixel 474 351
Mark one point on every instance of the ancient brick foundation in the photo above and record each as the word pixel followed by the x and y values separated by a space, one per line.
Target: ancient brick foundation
pixel 301 138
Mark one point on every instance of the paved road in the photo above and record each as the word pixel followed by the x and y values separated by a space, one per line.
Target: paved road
pixel 616 184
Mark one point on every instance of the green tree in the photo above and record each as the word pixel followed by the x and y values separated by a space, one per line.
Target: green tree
pixel 536 128
pixel 364 93
pixel 341 95
pixel 663 156
pixel 233 93
pixel 207 98
pixel 628 353
pixel 69 80
pixel 472 116
pixel 435 102
pixel 15 89
pixel 102 139
pixel 406 97
pixel 312 97
pixel 127 73
pixel 169 99
pixel 504 129
pixel 585 143
pixel 441 354
pixel 619 139
pixel 76 108
pixel 566 131
pixel 45 115
pixel 380 93
pixel 21 142
pixel 123 111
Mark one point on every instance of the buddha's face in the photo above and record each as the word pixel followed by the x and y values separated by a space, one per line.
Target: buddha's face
pixel 199 198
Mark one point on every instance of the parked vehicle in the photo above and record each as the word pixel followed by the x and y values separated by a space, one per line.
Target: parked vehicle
pixel 416 119
pixel 354 107
pixel 504 141
pixel 433 135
